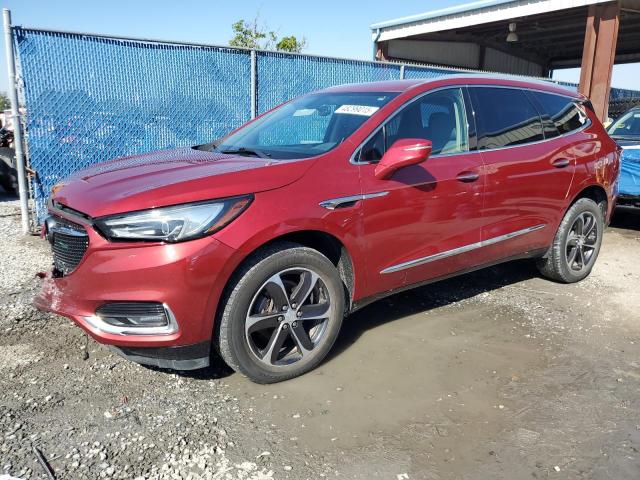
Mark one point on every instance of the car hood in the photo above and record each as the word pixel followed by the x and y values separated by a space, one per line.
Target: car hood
pixel 171 177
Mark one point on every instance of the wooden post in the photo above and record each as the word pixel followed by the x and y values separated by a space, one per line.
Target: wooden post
pixel 598 55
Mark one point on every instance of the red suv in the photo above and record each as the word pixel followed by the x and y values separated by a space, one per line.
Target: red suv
pixel 258 244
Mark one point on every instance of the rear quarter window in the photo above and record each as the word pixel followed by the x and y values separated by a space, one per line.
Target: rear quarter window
pixel 565 113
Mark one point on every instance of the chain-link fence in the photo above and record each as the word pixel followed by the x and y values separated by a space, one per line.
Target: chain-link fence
pixel 90 98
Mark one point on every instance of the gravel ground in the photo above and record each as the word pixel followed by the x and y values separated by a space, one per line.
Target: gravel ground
pixel 94 415
pixel 496 374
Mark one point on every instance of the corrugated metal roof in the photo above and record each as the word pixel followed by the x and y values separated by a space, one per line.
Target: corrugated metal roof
pixel 442 12
pixel 469 9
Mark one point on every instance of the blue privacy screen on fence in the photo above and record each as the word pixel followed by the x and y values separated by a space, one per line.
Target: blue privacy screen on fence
pixel 284 76
pixel 411 72
pixel 91 98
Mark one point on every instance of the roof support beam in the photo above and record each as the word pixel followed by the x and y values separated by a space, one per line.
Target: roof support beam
pixel 599 54
pixel 622 57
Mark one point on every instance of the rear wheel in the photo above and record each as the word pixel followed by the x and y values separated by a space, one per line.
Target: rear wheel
pixel 283 314
pixel 576 245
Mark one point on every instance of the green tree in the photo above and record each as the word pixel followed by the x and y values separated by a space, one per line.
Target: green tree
pixel 253 35
pixel 4 101
pixel 291 44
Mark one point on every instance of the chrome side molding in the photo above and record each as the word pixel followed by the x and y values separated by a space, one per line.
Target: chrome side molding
pixel 459 250
pixel 342 202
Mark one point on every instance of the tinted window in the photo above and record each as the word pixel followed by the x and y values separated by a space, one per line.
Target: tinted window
pixel 564 112
pixel 374 149
pixel 504 117
pixel 439 117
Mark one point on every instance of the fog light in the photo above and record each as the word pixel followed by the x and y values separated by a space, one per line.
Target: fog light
pixel 134 314
pixel 134 318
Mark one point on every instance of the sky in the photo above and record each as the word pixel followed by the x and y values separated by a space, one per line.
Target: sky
pixel 331 27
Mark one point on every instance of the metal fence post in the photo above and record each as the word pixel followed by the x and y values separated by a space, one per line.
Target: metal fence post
pixel 402 72
pixel 17 124
pixel 254 82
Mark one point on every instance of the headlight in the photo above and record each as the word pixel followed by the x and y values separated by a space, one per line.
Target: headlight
pixel 173 224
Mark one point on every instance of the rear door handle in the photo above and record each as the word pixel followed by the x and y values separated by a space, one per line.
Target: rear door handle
pixel 468 177
pixel 560 162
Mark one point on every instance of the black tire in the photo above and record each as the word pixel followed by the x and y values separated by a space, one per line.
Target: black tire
pixel 235 342
pixel 557 264
pixel 8 178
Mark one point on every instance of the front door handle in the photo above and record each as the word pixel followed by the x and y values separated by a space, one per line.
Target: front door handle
pixel 468 177
pixel 561 162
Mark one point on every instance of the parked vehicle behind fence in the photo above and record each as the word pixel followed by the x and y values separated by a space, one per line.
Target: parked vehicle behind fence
pixel 626 131
pixel 258 244
pixel 8 173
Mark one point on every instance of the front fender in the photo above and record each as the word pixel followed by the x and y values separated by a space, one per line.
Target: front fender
pixel 256 228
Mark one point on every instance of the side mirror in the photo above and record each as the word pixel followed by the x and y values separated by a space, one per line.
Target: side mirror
pixel 404 152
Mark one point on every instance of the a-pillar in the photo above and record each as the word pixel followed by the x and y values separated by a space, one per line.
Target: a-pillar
pixel 598 55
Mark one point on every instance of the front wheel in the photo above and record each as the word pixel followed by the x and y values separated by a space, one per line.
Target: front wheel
pixel 576 245
pixel 282 315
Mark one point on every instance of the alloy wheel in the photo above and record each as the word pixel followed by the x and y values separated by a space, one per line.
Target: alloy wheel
pixel 581 242
pixel 288 317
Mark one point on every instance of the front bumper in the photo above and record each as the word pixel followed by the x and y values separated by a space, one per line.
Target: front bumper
pixel 628 201
pixel 187 277
pixel 629 181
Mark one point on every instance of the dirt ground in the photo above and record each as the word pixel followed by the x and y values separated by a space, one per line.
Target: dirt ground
pixel 497 374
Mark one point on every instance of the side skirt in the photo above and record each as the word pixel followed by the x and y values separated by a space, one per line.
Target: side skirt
pixel 357 305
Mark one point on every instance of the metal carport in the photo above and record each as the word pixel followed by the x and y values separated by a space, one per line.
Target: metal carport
pixel 545 35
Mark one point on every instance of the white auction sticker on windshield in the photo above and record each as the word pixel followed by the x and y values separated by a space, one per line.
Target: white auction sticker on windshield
pixel 364 110
pixel 304 112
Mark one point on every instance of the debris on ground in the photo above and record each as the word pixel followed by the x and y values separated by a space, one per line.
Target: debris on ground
pixel 538 376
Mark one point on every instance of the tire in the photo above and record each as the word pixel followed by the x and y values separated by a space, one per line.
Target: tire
pixel 8 178
pixel 576 245
pixel 267 336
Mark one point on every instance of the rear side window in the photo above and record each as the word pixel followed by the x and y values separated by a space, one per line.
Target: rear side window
pixel 566 115
pixel 504 117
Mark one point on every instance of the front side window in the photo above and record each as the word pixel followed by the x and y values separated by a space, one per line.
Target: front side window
pixel 504 117
pixel 439 117
pixel 305 127
pixel 563 111
pixel 627 127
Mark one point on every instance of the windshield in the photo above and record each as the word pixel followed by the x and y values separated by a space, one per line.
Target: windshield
pixel 306 126
pixel 627 126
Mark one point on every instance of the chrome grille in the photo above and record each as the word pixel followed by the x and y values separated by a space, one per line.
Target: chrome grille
pixel 69 242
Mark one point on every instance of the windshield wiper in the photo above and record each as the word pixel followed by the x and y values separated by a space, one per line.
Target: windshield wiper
pixel 246 151
pixel 207 147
